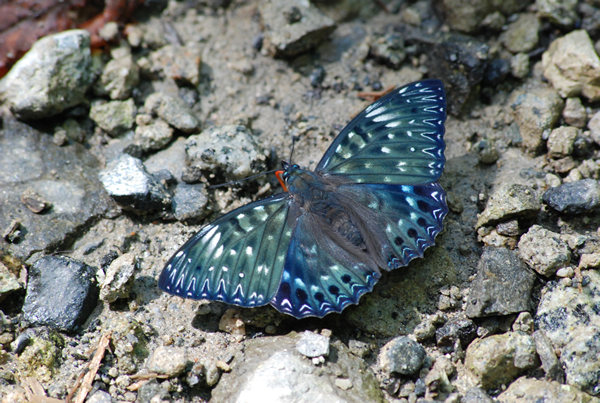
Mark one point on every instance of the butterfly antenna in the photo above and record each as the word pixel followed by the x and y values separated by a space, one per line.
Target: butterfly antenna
pixel 239 181
pixel 294 139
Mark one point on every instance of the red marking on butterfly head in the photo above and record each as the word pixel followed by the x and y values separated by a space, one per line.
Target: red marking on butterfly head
pixel 279 175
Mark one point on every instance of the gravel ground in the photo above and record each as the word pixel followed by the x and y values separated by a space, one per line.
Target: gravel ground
pixel 108 161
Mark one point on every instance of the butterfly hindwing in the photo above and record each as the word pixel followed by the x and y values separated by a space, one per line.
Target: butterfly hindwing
pixel 411 216
pixel 318 277
pixel 397 139
pixel 237 259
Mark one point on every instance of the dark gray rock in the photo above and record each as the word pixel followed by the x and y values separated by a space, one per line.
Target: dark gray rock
pixel 190 202
pixel 53 76
pixel 293 27
pixel 64 177
pixel 127 181
pixel 402 355
pixel 61 293
pixel 313 345
pixel 229 150
pixel 460 62
pixel 574 197
pixel 463 330
pixel 502 285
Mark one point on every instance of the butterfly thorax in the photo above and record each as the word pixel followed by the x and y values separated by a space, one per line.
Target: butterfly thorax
pixel 316 194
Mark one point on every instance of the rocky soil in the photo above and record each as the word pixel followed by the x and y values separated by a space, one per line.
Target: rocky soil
pixel 108 161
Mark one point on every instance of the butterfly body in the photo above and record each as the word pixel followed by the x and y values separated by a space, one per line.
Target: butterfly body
pixel 373 203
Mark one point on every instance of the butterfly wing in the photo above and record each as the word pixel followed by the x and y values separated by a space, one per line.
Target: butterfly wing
pixel 410 215
pixel 397 139
pixel 237 259
pixel 319 277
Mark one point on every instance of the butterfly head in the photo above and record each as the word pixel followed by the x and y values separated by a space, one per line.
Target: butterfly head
pixel 288 171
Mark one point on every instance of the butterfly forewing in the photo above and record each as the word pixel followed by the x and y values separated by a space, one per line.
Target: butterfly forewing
pixel 318 279
pixel 237 259
pixel 398 139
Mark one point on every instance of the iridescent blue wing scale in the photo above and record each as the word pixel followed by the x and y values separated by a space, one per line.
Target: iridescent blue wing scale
pixel 319 277
pixel 397 139
pixel 237 259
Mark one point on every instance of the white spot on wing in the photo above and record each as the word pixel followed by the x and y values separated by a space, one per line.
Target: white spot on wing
pixel 377 111
pixel 385 150
pixel 249 250
pixel 219 251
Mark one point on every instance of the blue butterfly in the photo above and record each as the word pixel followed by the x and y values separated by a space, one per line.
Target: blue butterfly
pixel 373 203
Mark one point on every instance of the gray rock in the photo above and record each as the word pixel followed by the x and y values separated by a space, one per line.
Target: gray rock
pixel 190 202
pixel 313 345
pixel 173 111
pixel 536 111
pixel 169 158
pixel 119 77
pixel 168 360
pixel 544 251
pixel 519 65
pixel 389 50
pixel 127 181
pixel 469 16
pixel 153 136
pixel 401 355
pixel 530 390
pixel 580 359
pixel 487 153
pixel 8 282
pixel 559 12
pixel 594 126
pixel 293 26
pixel 550 362
pixel 99 396
pixel 53 76
pixel 572 66
pixel 462 330
pixel 522 35
pixel 561 141
pixel 61 293
pixel 114 117
pixel 152 391
pixel 476 395
pixel 180 63
pixel 574 113
pixel 574 197
pixel 509 201
pixel 498 359
pixel 502 286
pixel 228 150
pixel 64 177
pixel 118 279
pixel 571 321
pixel 271 370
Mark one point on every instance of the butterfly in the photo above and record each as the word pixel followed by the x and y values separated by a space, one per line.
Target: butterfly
pixel 373 203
